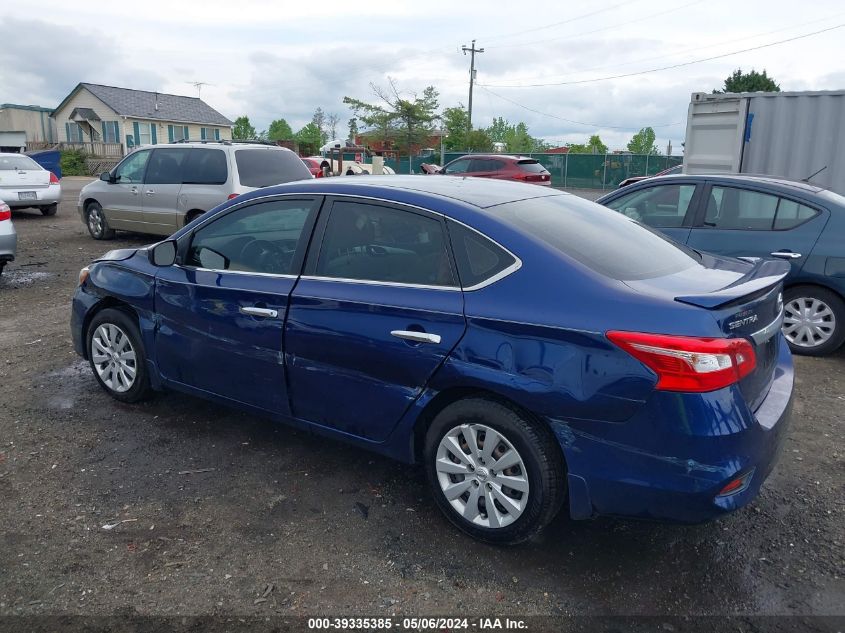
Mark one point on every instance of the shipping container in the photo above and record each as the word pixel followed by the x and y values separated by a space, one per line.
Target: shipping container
pixel 794 135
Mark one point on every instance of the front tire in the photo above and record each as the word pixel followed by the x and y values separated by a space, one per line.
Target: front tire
pixel 814 320
pixel 116 355
pixel 50 209
pixel 95 219
pixel 495 474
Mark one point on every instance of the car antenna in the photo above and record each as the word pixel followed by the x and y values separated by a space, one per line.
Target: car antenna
pixel 815 173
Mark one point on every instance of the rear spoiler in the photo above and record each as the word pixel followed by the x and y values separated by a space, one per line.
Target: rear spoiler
pixel 766 274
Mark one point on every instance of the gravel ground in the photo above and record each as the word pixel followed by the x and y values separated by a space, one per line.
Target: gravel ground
pixel 222 513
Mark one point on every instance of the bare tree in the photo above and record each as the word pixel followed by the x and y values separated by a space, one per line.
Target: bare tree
pixel 333 120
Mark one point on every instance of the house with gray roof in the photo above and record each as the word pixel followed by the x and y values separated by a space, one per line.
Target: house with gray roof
pixel 110 121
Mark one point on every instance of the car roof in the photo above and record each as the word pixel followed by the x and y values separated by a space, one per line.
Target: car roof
pixel 760 179
pixel 478 192
pixel 213 143
pixel 506 156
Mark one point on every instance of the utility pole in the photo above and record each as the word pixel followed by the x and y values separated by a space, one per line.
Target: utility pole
pixel 472 50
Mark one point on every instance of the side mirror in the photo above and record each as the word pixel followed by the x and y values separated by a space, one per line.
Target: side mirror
pixel 106 177
pixel 163 253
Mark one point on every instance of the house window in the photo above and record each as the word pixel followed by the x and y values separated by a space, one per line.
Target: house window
pixel 74 132
pixel 111 132
pixel 144 135
pixel 177 133
pixel 209 133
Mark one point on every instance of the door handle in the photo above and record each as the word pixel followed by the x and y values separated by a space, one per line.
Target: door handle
pixel 259 312
pixel 150 192
pixel 134 191
pixel 416 337
pixel 786 254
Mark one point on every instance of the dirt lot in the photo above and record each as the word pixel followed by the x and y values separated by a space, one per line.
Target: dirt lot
pixel 279 522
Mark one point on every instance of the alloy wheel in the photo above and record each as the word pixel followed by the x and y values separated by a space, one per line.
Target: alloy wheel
pixel 114 357
pixel 95 221
pixel 808 322
pixel 482 475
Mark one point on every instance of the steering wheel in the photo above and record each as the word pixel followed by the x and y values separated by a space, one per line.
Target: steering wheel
pixel 266 257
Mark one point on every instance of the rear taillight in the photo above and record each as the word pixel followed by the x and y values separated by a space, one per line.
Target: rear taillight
pixel 684 363
pixel 232 196
pixel 5 211
pixel 53 179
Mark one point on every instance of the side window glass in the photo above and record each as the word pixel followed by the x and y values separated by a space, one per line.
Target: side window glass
pixel 458 167
pixel 663 206
pixel 374 243
pixel 131 170
pixel 165 166
pixel 478 258
pixel 790 214
pixel 260 238
pixel 731 208
pixel 205 167
pixel 480 164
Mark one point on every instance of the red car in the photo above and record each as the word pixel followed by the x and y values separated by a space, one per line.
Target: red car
pixel 313 165
pixel 677 169
pixel 500 167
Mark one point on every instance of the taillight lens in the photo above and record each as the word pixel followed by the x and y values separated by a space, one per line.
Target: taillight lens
pixel 53 179
pixel 5 211
pixel 684 363
pixel 232 196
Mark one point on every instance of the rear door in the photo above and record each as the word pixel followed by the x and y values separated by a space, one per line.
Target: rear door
pixel 668 207
pixel 755 223
pixel 123 202
pixel 375 314
pixel 162 184
pixel 482 168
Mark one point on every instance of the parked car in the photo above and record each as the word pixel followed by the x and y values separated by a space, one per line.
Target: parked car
pixel 24 183
pixel 759 216
pixel 313 165
pixel 8 237
pixel 677 169
pixel 497 166
pixel 162 188
pixel 473 326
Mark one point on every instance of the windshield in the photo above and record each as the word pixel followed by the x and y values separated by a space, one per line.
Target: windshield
pixel 603 240
pixel 8 163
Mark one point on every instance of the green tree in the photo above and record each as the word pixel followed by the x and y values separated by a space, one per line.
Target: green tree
pixel 516 138
pixel 498 130
pixel 243 129
pixel 478 140
pixel 309 139
pixel 319 119
pixel 353 128
pixel 280 131
pixel 594 145
pixel 406 121
pixel 749 82
pixel 643 142
pixel 455 123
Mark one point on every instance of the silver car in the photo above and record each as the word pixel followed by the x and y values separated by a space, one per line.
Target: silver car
pixel 8 237
pixel 25 183
pixel 160 189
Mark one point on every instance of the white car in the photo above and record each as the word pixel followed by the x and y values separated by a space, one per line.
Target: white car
pixel 25 183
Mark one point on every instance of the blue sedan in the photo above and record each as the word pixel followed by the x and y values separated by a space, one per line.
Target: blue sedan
pixel 531 349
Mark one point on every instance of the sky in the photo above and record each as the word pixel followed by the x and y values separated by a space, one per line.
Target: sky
pixel 284 59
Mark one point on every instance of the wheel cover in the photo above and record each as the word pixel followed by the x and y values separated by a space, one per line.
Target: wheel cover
pixel 95 221
pixel 808 322
pixel 482 475
pixel 114 357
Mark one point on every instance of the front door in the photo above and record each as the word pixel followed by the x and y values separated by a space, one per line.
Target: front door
pixel 746 222
pixel 222 309
pixel 377 312
pixel 124 202
pixel 161 189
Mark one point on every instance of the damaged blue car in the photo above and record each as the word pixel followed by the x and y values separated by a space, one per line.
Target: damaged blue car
pixel 530 349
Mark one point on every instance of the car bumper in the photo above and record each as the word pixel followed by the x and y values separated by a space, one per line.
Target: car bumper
pixel 80 308
pixel 674 457
pixel 8 241
pixel 43 196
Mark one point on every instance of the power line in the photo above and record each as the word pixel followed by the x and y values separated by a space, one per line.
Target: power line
pixel 599 30
pixel 654 70
pixel 698 48
pixel 562 22
pixel 560 118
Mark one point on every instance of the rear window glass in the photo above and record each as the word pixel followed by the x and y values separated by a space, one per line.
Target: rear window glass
pixel 8 163
pixel 478 258
pixel 265 167
pixel 790 214
pixel 599 238
pixel 205 167
pixel 531 166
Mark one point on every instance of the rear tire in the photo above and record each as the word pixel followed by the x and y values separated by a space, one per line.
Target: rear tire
pixel 50 209
pixel 116 355
pixel 530 460
pixel 95 219
pixel 814 320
